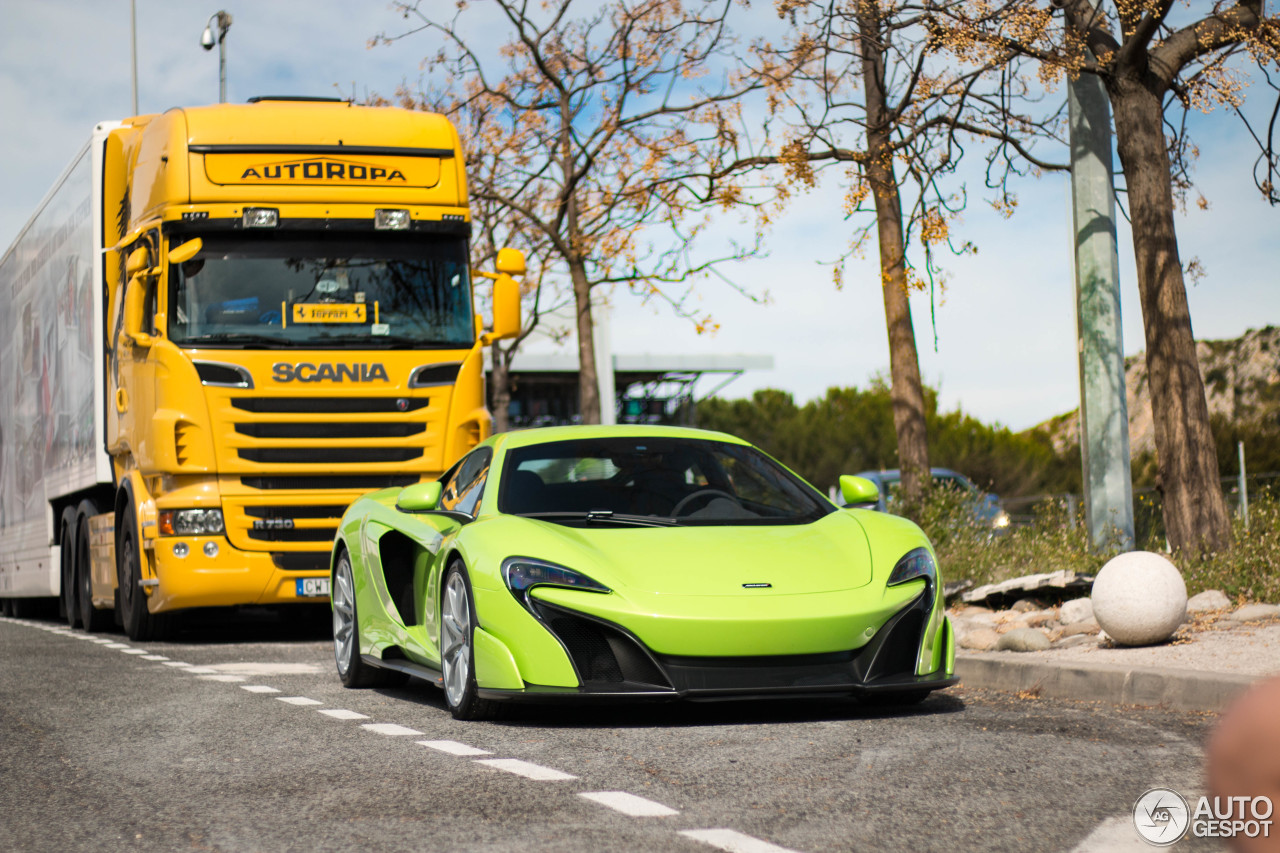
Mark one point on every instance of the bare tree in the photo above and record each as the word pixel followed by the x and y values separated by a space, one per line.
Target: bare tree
pixel 592 124
pixel 1156 61
pixel 867 85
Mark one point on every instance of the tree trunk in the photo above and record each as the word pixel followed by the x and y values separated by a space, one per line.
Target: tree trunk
pixel 1195 512
pixel 500 375
pixel 588 381
pixel 906 389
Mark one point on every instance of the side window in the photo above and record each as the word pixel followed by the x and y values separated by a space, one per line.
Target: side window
pixel 464 486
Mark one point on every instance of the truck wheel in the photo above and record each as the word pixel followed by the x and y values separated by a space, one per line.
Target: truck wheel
pixel 138 624
pixel 67 568
pixel 93 619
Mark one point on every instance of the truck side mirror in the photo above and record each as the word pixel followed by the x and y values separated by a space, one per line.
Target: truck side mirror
pixel 510 261
pixel 139 259
pixel 135 301
pixel 506 308
pixel 186 251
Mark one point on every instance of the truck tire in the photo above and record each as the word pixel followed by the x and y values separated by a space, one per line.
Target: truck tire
pixel 138 623
pixel 67 568
pixel 92 619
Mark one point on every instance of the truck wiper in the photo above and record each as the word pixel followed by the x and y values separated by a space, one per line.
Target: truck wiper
pixel 238 338
pixel 605 516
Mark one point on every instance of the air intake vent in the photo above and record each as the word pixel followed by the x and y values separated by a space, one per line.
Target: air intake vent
pixel 601 653
pixel 433 375
pixel 330 455
pixel 223 375
pixel 297 534
pixel 330 405
pixel 331 430
pixel 350 483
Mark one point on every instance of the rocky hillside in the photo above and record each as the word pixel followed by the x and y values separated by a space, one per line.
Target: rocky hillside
pixel 1242 383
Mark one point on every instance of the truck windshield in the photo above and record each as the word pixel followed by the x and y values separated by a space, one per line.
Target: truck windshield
pixel 322 290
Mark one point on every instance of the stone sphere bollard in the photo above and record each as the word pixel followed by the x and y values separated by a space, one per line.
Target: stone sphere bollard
pixel 1139 598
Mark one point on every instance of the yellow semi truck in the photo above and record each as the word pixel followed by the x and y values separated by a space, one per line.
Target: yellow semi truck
pixel 222 325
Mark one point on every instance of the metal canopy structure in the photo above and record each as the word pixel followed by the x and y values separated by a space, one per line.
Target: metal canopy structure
pixel 651 389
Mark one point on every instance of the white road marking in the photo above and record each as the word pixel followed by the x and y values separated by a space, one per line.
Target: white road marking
pixel 1114 835
pixel 526 769
pixel 390 729
pixel 154 657
pixel 200 670
pixel 453 747
pixel 258 688
pixel 102 642
pixel 297 700
pixel 733 842
pixel 175 663
pixel 629 804
pixel 225 678
pixel 134 652
pixel 340 714
pixel 268 668
pixel 117 645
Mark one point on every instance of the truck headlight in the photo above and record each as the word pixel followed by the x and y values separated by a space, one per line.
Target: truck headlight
pixel 190 522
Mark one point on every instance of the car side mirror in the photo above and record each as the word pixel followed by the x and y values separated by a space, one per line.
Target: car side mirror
pixel 858 491
pixel 420 497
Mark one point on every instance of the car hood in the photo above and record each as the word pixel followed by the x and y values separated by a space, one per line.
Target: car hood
pixel 827 555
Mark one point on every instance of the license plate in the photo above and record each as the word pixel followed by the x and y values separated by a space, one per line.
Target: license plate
pixel 311 587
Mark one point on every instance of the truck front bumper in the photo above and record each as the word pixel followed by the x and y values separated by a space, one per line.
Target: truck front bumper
pixel 227 577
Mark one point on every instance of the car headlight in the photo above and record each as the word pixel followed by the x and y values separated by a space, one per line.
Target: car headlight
pixel 915 564
pixel 522 574
pixel 190 522
pixel 1001 520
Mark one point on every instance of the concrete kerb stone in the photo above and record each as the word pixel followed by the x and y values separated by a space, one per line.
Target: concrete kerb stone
pixel 1182 690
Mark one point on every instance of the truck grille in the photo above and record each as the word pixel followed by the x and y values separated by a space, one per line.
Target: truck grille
pixel 321 455
pixel 357 482
pixel 329 405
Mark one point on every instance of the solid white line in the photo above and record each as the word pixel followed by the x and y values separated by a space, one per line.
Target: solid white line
pixel 258 688
pixel 733 842
pixel 175 663
pixel 525 769
pixel 390 729
pixel 225 678
pixel 134 652
pixel 340 714
pixel 629 804
pixel 297 700
pixel 154 657
pixel 453 747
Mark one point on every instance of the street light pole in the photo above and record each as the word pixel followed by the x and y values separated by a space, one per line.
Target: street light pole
pixel 207 41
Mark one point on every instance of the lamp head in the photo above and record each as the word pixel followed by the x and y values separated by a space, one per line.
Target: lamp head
pixel 207 40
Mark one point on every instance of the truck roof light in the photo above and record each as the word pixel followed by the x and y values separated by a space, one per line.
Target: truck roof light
pixel 261 217
pixel 390 220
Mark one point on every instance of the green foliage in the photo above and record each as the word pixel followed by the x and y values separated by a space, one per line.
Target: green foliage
pixel 1250 569
pixel 850 430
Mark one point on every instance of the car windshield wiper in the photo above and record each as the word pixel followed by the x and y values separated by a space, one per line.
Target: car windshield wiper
pixel 603 515
pixel 237 338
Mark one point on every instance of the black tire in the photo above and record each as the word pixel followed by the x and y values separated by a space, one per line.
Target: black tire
pixel 138 623
pixel 67 604
pixel 92 619
pixel 6 606
pixel 457 648
pixel 352 669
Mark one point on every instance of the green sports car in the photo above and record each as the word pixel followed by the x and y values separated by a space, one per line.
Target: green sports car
pixel 633 562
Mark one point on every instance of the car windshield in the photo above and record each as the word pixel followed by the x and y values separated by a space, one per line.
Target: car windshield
pixel 624 481
pixel 300 289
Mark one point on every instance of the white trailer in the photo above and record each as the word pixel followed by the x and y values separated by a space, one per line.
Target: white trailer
pixel 52 347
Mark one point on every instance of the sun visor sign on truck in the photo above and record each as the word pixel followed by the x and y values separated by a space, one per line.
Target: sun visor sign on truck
pixel 328 312
pixel 330 166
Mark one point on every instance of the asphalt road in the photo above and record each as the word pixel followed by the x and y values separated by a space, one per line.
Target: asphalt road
pixel 239 737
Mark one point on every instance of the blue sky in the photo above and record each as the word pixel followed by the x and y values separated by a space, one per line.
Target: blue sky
pixel 1006 326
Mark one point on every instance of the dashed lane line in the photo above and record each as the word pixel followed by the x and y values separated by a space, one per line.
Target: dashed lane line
pixel 453 747
pixel 390 729
pixel 629 804
pixel 259 688
pixel 200 670
pixel 116 646
pixel 154 657
pixel 134 652
pixel 342 714
pixel 226 679
pixel 181 663
pixel 527 769
pixel 732 841
pixel 297 700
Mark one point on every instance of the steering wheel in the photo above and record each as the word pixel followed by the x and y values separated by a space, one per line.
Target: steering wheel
pixel 699 494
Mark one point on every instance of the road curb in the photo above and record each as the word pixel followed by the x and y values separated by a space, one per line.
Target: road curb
pixel 1180 689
